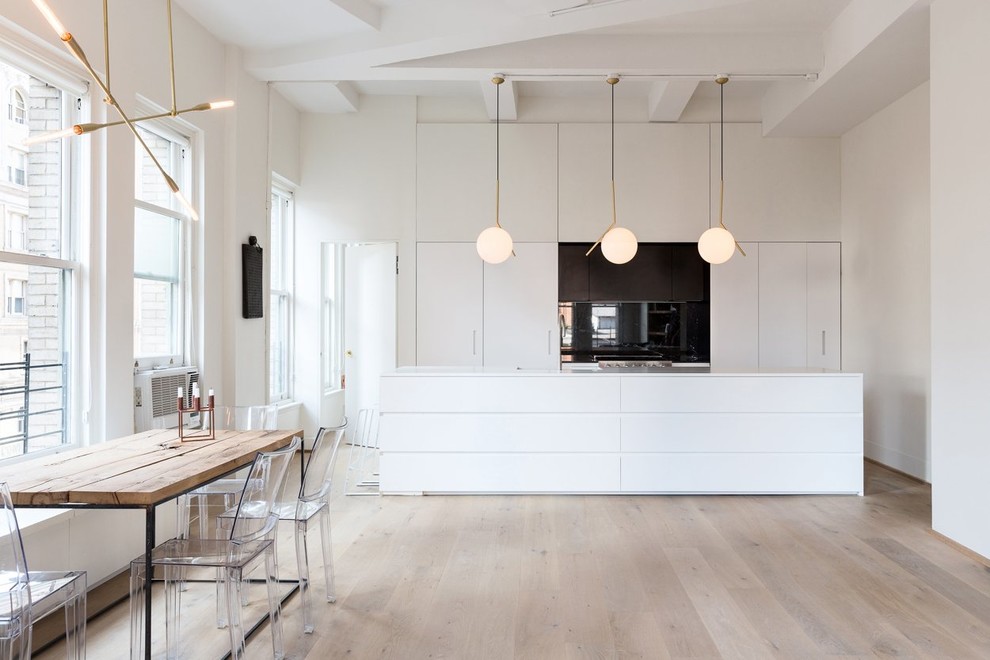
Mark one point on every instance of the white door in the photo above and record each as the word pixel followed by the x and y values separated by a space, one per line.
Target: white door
pixel 449 330
pixel 369 322
pixel 521 329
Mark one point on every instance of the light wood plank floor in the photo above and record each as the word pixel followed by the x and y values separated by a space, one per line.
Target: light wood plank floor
pixel 626 577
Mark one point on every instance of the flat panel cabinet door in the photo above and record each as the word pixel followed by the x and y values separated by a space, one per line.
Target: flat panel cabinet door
pixel 646 277
pixel 824 288
pixel 521 329
pixel 449 330
pixel 661 181
pixel 783 304
pixel 455 181
pixel 572 272
pixel 735 311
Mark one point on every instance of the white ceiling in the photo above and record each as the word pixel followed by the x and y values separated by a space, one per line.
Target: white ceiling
pixel 803 67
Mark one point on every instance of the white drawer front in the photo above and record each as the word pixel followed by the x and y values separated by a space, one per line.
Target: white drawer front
pixel 499 473
pixel 764 393
pixel 493 393
pixel 495 433
pixel 742 432
pixel 742 473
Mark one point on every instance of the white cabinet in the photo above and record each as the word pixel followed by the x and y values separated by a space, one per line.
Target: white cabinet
pixel 823 305
pixel 783 305
pixel 777 308
pixel 661 181
pixel 777 189
pixel 520 304
pixel 469 313
pixel 455 181
pixel 449 313
pixel 735 311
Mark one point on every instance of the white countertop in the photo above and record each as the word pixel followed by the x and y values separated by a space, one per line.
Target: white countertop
pixel 589 370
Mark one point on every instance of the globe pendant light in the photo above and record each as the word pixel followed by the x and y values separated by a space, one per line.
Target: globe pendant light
pixel 618 243
pixel 717 244
pixel 494 243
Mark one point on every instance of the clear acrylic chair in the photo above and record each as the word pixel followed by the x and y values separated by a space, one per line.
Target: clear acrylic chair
pixel 239 418
pixel 250 542
pixel 313 500
pixel 26 596
pixel 361 477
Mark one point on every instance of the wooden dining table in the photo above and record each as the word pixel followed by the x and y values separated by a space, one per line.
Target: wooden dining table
pixel 139 471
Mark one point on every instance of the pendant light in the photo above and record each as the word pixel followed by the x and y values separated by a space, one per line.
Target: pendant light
pixel 494 244
pixel 717 244
pixel 618 243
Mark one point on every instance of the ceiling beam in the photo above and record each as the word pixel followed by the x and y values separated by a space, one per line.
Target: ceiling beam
pixel 509 100
pixel 668 98
pixel 362 10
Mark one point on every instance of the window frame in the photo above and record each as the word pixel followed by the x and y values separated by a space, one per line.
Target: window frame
pixel 73 229
pixel 182 152
pixel 283 198
pixel 17 113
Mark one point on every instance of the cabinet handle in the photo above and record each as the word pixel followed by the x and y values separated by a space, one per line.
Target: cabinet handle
pixel 474 342
pixel 549 337
pixel 823 342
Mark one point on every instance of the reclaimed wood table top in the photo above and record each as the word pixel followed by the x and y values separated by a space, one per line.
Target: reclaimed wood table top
pixel 135 471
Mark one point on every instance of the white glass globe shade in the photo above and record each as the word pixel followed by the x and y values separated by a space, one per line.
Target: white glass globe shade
pixel 494 245
pixel 716 245
pixel 619 245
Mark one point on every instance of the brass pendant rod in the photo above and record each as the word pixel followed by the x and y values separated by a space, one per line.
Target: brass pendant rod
pixel 611 80
pixel 171 55
pixel 498 87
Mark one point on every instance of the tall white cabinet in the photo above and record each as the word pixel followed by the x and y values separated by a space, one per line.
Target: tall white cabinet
pixel 469 313
pixel 777 308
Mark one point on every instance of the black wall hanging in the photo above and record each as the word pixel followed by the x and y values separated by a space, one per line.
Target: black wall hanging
pixel 252 266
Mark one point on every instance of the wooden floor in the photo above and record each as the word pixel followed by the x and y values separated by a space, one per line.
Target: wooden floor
pixel 474 577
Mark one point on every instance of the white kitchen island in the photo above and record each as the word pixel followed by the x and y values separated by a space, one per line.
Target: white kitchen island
pixel 669 430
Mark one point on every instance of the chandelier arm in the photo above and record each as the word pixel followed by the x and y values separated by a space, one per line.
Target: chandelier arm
pixel 106 42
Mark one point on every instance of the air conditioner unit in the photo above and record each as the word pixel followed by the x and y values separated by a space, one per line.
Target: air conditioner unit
pixel 155 397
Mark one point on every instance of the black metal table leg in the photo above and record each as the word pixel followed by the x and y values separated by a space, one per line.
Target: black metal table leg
pixel 149 546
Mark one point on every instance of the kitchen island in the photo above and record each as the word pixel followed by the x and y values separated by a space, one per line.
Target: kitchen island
pixel 627 430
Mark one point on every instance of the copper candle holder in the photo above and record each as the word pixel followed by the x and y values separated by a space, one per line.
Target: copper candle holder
pixel 209 430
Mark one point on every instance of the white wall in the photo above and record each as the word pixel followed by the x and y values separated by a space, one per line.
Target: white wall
pixel 960 271
pixel 358 183
pixel 886 301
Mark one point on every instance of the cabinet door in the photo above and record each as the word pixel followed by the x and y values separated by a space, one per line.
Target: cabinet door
pixel 572 272
pixel 448 305
pixel 824 288
pixel 661 181
pixel 455 181
pixel 735 311
pixel 777 189
pixel 521 329
pixel 783 302
pixel 646 277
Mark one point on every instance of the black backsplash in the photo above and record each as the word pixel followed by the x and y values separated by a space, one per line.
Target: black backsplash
pixel 676 331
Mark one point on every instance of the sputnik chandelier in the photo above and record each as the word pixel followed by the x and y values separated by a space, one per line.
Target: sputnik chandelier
pixel 104 84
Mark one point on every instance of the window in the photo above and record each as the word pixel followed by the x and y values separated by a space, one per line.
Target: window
pixel 159 254
pixel 38 271
pixel 17 167
pixel 17 110
pixel 14 241
pixel 15 296
pixel 280 315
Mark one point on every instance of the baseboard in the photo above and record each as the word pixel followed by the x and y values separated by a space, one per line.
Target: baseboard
pixel 99 599
pixel 972 554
